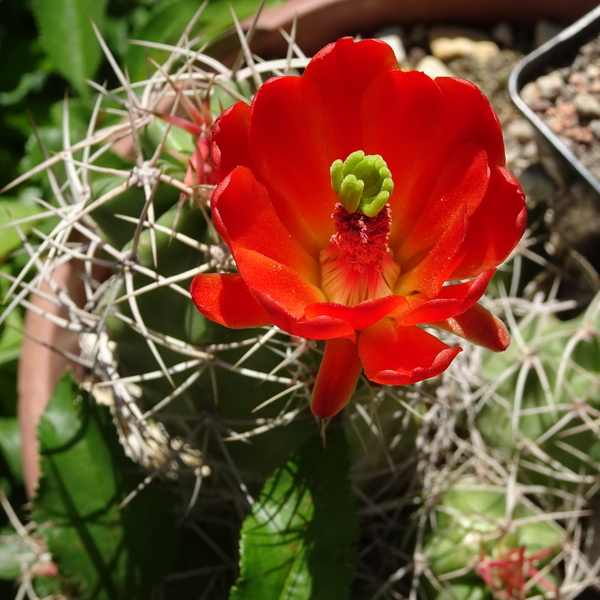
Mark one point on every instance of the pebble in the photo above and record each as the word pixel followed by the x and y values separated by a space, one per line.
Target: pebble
pixel 550 86
pixel 484 51
pixel 432 66
pixel 540 105
pixel 530 93
pixel 545 31
pixel 592 72
pixel 577 80
pixel 587 105
pixel 529 151
pixel 580 134
pixel 561 117
pixel 594 127
pixel 521 130
pixel 393 35
pixel 446 49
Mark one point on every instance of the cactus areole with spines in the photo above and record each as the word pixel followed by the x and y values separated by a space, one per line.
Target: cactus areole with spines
pixel 361 201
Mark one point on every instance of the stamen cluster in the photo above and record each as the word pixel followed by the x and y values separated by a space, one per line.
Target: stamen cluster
pixel 363 240
pixel 357 266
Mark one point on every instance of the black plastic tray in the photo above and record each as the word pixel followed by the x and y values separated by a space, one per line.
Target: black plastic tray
pixel 558 52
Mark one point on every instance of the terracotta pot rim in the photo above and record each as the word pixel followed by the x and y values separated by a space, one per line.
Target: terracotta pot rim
pixel 322 21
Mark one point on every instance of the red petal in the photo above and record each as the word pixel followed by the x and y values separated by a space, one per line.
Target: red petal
pixel 434 266
pixel 289 143
pixel 394 355
pixel 244 215
pixel 360 316
pixel 337 378
pixel 225 298
pixel 284 294
pixel 281 275
pixel 416 124
pixel 468 117
pixel 230 140
pixel 451 301
pixel 402 112
pixel 463 180
pixel 479 326
pixel 496 226
pixel 342 71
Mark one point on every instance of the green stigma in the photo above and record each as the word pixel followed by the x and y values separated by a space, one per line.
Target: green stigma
pixel 362 182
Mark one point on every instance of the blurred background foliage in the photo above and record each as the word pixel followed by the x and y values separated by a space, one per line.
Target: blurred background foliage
pixel 49 47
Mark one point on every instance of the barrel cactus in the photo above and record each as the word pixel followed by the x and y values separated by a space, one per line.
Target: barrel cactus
pixel 472 485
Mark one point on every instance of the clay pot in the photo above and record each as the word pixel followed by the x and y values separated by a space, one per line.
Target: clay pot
pixel 319 22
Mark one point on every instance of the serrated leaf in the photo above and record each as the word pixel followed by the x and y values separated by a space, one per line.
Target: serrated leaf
pixel 299 541
pixel 102 552
pixel 69 39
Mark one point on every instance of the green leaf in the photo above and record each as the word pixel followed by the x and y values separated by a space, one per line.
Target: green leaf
pixel 10 445
pixel 12 210
pixel 102 552
pixel 69 38
pixel 299 541
pixel 51 137
pixel 170 17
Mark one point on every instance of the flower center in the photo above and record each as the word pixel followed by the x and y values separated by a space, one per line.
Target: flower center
pixel 357 265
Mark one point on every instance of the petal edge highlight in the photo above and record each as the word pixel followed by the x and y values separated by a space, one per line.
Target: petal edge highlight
pixel 393 355
pixel 226 299
pixel 480 326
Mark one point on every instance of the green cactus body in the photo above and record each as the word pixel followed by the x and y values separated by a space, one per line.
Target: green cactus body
pixel 545 397
pixel 129 202
pixel 227 397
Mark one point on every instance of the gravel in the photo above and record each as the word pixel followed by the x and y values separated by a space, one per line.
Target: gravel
pixel 568 100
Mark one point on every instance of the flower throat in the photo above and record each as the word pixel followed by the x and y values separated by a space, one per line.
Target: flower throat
pixel 357 265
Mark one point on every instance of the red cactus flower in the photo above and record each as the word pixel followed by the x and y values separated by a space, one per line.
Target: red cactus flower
pixel 508 575
pixel 359 202
pixel 199 171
